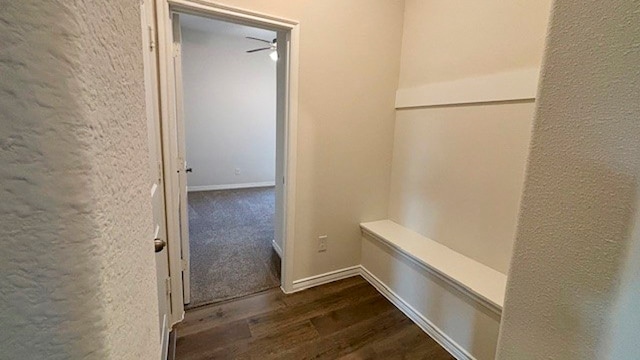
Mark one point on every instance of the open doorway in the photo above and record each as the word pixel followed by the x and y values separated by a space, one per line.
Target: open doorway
pixel 229 110
pixel 174 164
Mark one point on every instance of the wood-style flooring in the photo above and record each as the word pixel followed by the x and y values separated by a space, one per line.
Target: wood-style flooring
pixel 347 319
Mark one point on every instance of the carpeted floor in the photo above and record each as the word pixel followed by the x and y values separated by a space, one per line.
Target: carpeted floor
pixel 230 234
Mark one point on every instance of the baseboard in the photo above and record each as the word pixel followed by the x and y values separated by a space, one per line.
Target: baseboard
pixel 230 186
pixel 433 331
pixel 276 248
pixel 164 351
pixel 302 284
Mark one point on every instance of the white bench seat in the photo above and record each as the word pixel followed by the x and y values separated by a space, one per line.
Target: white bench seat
pixel 482 283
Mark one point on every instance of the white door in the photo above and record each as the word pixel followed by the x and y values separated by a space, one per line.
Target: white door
pixel 157 240
pixel 183 205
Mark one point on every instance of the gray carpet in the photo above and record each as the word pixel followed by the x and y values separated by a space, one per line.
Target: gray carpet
pixel 230 234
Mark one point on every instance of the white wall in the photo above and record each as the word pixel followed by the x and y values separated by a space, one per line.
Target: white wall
pixel 78 270
pixel 573 290
pixel 229 104
pixel 458 170
pixel 347 79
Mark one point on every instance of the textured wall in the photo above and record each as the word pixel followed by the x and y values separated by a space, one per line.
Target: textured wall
pixel 348 75
pixel 573 289
pixel 229 103
pixel 78 272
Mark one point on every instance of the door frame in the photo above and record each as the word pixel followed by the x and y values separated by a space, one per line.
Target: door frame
pixel 150 63
pixel 287 119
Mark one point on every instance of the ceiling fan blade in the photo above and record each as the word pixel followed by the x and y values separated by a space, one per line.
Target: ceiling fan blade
pixel 264 41
pixel 254 50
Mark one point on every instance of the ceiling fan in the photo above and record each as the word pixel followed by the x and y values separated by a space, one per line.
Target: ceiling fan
pixel 273 45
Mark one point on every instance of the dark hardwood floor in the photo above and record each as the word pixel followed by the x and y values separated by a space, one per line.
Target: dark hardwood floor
pixel 347 319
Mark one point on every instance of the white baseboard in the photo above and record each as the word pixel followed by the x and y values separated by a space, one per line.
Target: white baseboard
pixel 302 284
pixel 427 326
pixel 277 248
pixel 164 350
pixel 230 186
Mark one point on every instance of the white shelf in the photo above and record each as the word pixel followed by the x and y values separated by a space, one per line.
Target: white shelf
pixel 514 85
pixel 480 282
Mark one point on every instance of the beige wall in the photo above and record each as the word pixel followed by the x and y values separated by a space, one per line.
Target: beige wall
pixel 446 40
pixel 78 270
pixel 573 289
pixel 349 61
pixel 457 176
pixel 458 169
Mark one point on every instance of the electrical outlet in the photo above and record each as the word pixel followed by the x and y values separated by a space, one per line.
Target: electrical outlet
pixel 237 171
pixel 322 243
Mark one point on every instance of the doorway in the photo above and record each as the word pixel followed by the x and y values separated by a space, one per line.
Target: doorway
pixel 174 154
pixel 229 110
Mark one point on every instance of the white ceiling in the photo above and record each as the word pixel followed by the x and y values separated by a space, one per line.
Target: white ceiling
pixel 221 27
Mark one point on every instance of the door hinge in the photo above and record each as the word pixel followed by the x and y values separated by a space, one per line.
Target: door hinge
pixel 168 285
pixel 176 49
pixel 184 264
pixel 152 39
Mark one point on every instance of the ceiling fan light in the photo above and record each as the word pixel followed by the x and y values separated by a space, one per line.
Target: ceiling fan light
pixel 274 55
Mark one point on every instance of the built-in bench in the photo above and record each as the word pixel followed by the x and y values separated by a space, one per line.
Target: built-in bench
pixel 478 281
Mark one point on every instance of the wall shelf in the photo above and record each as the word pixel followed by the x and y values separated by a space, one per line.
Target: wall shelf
pixel 518 85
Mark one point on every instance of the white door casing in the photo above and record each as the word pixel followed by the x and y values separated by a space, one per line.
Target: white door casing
pixel 155 167
pixel 169 155
pixel 183 205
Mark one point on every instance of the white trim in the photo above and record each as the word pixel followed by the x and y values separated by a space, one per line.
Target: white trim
pixel 480 283
pixel 164 350
pixel 427 326
pixel 290 154
pixel 276 248
pixel 181 154
pixel 233 14
pixel 169 152
pixel 331 276
pixel 507 86
pixel 230 186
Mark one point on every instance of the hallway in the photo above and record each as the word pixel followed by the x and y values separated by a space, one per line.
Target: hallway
pixel 475 163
